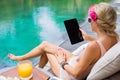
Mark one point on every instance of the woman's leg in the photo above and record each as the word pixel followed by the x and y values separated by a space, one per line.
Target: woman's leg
pixel 43 48
pixel 37 51
pixel 55 66
pixel 43 60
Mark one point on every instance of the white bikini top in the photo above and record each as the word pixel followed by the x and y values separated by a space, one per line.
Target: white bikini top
pixel 102 48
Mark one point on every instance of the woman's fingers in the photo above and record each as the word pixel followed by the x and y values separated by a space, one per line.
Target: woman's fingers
pixel 84 34
pixel 60 55
pixel 56 55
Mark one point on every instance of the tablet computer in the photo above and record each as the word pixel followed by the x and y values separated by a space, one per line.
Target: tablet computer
pixel 72 28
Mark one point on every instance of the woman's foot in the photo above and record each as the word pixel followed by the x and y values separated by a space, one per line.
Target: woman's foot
pixel 13 57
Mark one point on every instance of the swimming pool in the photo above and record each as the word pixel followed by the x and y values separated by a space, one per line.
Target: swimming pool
pixel 24 24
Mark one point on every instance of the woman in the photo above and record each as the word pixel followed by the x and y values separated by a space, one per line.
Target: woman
pixel 102 18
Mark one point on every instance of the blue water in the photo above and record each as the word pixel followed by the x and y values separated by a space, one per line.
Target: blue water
pixel 24 24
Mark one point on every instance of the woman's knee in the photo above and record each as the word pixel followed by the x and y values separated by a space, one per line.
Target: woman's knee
pixel 44 44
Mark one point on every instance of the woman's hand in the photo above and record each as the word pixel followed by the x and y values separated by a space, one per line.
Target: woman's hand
pixel 60 56
pixel 86 36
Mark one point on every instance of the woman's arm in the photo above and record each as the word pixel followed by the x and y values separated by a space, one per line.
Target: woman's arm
pixel 91 55
pixel 86 36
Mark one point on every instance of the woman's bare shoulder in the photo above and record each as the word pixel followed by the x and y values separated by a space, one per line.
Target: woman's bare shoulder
pixel 93 48
pixel 93 45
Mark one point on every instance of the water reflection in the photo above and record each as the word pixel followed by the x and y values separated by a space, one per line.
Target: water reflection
pixel 49 28
pixel 7 28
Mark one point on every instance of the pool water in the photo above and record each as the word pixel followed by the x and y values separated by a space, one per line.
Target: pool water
pixel 24 24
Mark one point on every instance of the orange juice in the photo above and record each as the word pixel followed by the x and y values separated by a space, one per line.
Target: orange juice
pixel 25 69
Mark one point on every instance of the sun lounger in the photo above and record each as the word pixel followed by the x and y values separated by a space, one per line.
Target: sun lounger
pixel 108 66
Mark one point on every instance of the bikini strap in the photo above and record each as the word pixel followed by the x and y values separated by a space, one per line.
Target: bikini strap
pixel 102 48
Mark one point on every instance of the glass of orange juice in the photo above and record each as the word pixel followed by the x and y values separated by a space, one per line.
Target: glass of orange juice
pixel 24 69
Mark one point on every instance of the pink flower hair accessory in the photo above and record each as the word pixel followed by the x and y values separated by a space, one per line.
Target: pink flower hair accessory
pixel 92 14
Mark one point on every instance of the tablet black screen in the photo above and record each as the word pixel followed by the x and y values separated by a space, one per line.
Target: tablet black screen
pixel 73 31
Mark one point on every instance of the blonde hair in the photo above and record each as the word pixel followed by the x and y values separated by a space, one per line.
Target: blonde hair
pixel 106 18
